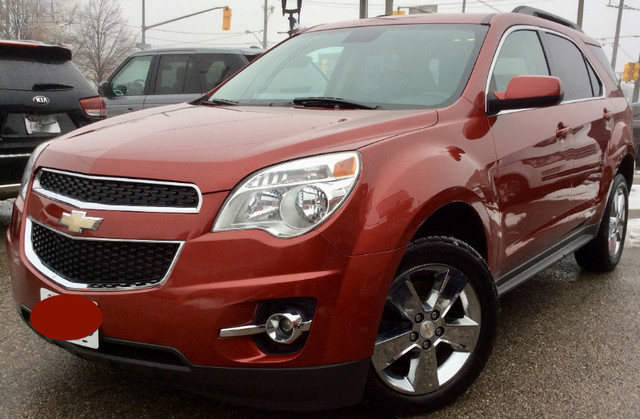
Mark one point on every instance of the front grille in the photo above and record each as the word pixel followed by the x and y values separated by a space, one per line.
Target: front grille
pixel 117 192
pixel 109 264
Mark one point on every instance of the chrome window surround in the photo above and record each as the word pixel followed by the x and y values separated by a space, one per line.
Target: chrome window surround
pixel 14 156
pixel 537 29
pixel 35 260
pixel 133 208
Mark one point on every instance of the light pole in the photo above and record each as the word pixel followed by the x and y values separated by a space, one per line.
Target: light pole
pixel 291 9
pixel 145 27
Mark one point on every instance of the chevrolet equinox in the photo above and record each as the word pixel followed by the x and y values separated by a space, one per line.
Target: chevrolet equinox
pixel 337 221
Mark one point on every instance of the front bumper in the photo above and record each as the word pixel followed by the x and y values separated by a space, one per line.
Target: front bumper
pixel 325 387
pixel 220 280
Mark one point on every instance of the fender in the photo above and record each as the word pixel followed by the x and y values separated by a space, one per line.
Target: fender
pixel 415 174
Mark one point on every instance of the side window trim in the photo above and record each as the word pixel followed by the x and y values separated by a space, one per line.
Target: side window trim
pixel 153 75
pixel 587 63
pixel 542 33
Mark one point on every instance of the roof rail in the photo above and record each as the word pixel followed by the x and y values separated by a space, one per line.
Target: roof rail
pixel 532 11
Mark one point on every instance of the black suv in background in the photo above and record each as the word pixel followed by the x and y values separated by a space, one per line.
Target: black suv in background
pixel 172 75
pixel 42 95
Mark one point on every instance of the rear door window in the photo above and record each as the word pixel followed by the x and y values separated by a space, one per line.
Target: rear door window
pixel 573 69
pixel 172 74
pixel 209 70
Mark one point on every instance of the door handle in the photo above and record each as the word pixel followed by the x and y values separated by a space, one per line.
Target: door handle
pixel 562 130
pixel 606 113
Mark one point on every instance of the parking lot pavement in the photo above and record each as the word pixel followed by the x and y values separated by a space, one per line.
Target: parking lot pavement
pixel 5 212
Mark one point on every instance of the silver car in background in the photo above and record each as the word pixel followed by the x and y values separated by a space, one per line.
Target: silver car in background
pixel 164 76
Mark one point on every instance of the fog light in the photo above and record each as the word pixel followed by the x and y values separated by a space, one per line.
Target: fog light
pixel 284 327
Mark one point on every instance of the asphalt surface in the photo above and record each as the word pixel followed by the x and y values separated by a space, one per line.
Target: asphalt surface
pixel 567 347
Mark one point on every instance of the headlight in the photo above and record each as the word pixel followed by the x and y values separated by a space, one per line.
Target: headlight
pixel 26 175
pixel 292 198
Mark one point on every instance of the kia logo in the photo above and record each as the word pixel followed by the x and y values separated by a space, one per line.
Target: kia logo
pixel 41 100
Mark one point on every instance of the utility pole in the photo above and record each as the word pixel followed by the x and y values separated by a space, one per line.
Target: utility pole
pixel 144 31
pixel 617 37
pixel 580 12
pixel 364 9
pixel 264 28
pixel 388 7
pixel 636 89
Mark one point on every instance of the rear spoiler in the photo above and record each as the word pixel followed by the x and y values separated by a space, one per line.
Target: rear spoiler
pixel 32 49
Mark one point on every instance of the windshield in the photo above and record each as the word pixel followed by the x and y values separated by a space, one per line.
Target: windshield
pixel 386 67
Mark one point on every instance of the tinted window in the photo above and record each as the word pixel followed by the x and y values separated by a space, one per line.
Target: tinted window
pixel 572 68
pixel 24 74
pixel 131 79
pixel 520 54
pixel 603 60
pixel 172 74
pixel 210 70
pixel 596 85
pixel 398 66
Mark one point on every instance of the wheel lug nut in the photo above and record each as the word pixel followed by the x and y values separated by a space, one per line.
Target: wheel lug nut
pixel 419 317
pixel 435 315
pixel 413 336
pixel 439 331
pixel 426 344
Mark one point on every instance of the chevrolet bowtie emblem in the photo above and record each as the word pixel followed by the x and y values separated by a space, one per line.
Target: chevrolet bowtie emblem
pixel 78 221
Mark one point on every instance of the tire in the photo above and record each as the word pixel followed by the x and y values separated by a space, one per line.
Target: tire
pixel 603 253
pixel 441 317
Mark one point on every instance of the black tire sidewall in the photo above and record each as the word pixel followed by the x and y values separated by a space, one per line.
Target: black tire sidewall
pixel 595 256
pixel 618 182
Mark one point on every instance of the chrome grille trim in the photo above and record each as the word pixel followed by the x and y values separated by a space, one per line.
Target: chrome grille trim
pixel 35 260
pixel 38 188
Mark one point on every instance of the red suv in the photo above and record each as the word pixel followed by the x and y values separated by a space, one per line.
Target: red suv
pixel 337 221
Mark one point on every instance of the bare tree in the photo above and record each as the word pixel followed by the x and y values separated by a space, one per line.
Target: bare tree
pixel 39 20
pixel 102 38
pixel 15 16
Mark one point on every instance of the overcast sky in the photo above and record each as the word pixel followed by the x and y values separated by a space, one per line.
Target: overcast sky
pixel 205 30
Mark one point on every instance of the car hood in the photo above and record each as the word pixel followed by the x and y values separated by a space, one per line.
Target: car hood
pixel 216 147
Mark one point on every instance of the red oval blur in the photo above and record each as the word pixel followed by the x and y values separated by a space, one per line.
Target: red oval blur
pixel 66 317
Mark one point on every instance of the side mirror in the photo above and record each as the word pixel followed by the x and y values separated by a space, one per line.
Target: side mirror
pixel 104 88
pixel 526 92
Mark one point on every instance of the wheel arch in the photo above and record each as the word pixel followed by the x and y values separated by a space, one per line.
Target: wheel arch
pixel 459 220
pixel 626 169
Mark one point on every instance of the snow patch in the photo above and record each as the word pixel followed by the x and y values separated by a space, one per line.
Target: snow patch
pixel 633 233
pixel 634 197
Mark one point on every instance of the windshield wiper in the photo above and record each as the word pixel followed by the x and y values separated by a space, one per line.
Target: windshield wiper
pixel 332 102
pixel 223 102
pixel 51 86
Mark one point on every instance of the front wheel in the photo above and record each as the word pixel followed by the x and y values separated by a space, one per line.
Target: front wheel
pixel 603 253
pixel 437 328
